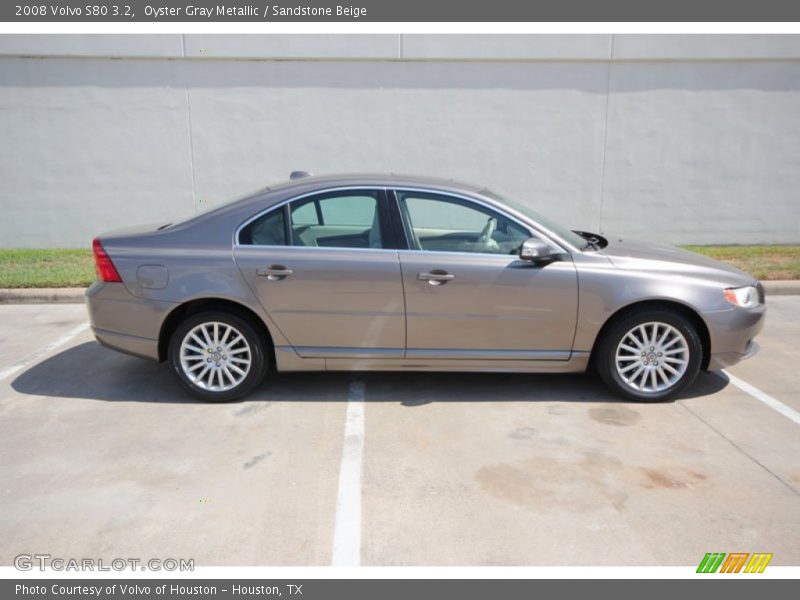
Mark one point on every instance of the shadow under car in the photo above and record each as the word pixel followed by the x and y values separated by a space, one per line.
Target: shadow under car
pixel 89 371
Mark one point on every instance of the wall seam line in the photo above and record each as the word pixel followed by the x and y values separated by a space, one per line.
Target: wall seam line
pixel 189 130
pixel 605 136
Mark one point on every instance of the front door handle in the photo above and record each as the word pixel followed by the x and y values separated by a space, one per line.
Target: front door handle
pixel 436 277
pixel 274 272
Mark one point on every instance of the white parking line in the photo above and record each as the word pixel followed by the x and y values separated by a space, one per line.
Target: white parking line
pixel 35 356
pixel 347 530
pixel 756 393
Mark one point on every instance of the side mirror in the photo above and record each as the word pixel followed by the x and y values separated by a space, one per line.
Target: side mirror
pixel 534 250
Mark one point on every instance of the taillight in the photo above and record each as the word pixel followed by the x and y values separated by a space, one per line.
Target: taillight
pixel 106 270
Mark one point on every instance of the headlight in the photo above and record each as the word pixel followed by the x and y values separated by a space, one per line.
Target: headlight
pixel 743 296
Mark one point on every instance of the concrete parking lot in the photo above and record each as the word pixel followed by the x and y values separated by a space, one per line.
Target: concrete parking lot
pixel 103 455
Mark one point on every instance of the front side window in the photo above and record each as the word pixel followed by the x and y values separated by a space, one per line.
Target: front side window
pixel 347 219
pixel 441 223
pixel 561 231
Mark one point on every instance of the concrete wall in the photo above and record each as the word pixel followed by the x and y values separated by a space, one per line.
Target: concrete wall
pixel 684 139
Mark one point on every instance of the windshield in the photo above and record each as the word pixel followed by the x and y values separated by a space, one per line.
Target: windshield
pixel 561 231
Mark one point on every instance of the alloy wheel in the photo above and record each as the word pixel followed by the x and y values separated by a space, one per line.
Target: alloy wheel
pixel 652 357
pixel 215 356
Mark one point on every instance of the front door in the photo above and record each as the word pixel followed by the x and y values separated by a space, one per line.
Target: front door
pixel 323 271
pixel 469 296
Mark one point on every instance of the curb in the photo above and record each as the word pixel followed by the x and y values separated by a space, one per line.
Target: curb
pixel 42 296
pixel 781 288
pixel 76 295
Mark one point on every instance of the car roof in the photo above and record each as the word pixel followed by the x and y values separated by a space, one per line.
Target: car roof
pixel 373 179
pixel 244 207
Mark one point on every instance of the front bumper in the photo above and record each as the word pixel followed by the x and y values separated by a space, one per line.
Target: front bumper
pixel 722 360
pixel 732 334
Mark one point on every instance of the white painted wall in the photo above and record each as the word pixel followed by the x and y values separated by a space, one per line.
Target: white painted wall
pixel 684 139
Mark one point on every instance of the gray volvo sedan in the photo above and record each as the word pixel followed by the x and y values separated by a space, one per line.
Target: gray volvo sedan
pixel 372 272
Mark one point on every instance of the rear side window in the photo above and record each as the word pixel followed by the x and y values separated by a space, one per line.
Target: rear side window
pixel 305 214
pixel 266 230
pixel 342 219
pixel 349 210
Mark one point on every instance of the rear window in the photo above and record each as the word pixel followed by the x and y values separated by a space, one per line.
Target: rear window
pixel 267 230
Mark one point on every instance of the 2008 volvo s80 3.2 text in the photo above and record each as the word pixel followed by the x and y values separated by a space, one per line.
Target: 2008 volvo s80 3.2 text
pixel 369 272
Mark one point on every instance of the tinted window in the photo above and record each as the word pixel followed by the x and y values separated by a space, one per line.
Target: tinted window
pixel 337 220
pixel 442 223
pixel 267 230
pixel 305 214
pixel 561 231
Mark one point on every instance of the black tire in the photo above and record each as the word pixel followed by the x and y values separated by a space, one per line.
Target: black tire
pixel 257 355
pixel 606 361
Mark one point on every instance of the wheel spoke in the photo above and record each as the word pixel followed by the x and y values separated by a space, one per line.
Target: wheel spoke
pixel 203 373
pixel 674 351
pixel 194 349
pixel 238 370
pixel 635 375
pixel 229 375
pixel 643 379
pixel 671 369
pixel 637 343
pixel 677 361
pixel 628 368
pixel 672 342
pixel 629 348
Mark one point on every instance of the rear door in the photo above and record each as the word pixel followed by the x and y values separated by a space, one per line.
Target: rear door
pixel 469 296
pixel 323 266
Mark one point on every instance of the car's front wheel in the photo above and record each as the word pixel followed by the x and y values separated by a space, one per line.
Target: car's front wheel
pixel 650 355
pixel 217 356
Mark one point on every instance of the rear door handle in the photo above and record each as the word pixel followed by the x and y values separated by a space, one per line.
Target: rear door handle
pixel 436 277
pixel 274 272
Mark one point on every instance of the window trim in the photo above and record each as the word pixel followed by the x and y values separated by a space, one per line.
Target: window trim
pixel 391 211
pixel 545 236
pixel 390 241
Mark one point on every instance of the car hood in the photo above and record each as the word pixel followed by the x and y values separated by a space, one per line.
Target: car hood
pixel 652 257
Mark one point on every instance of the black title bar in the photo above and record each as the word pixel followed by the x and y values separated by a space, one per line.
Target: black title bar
pixel 393 589
pixel 209 11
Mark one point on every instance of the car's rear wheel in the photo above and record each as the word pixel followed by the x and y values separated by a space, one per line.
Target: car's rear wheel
pixel 650 355
pixel 217 356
